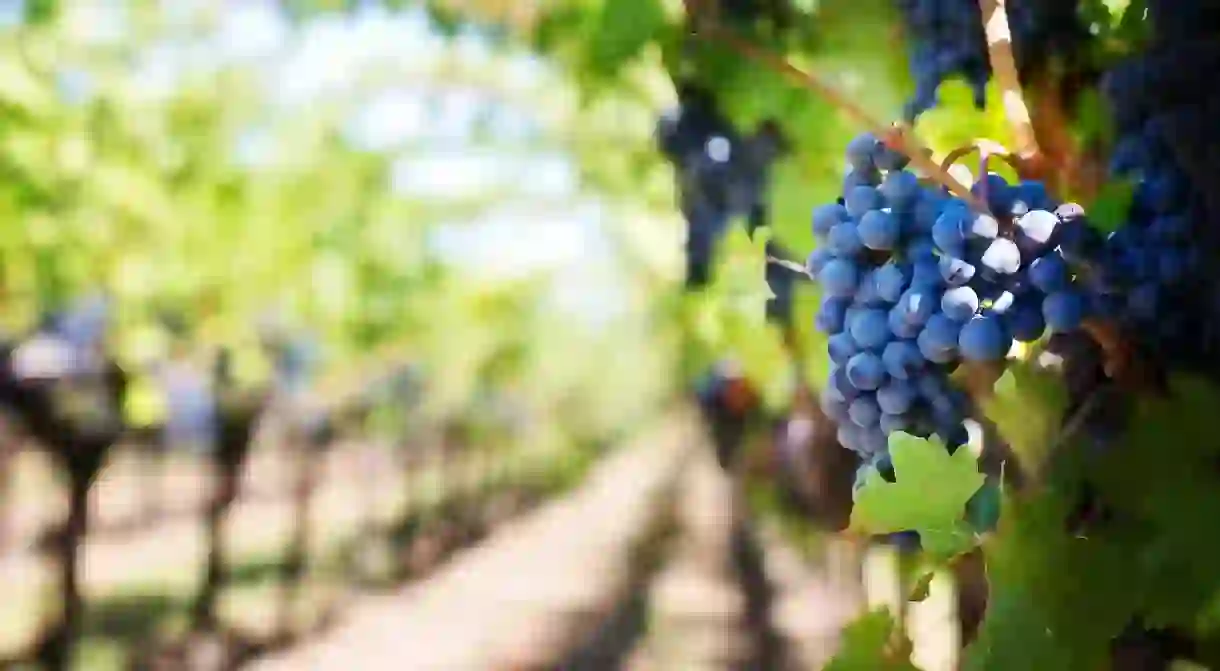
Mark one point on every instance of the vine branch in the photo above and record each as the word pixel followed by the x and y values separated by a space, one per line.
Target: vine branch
pixel 1004 69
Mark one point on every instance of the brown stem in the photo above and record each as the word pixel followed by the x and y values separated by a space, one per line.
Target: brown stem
pixel 1004 68
pixel 896 137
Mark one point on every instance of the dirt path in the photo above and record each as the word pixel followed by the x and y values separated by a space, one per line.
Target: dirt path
pixel 530 594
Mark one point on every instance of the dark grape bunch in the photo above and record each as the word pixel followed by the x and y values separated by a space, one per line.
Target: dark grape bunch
pixel 914 282
pixel 946 40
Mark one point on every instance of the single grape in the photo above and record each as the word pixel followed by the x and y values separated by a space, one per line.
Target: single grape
pixel 899 325
pixel 861 199
pixel 984 226
pixel 817 260
pixel 954 271
pixel 938 340
pixel 844 240
pixel 926 274
pixel 959 304
pixel 826 216
pixel 900 189
pixel 879 230
pixel 839 278
pixel 1049 273
pixel 850 436
pixel 1063 310
pixel 861 151
pixel 1000 195
pixel 870 329
pixel 984 339
pixel 918 304
pixel 902 359
pixel 865 371
pixel 832 315
pixel 865 178
pixel 866 292
pixel 1037 227
pixel 873 440
pixel 949 231
pixel 834 407
pixel 841 347
pixel 864 411
pixel 1002 257
pixel 841 385
pixel 1025 321
pixel 889 159
pixel 891 280
pixel 896 396
pixel 893 423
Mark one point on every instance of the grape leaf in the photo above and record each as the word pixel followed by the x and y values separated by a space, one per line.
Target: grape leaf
pixel 866 645
pixel 1108 211
pixel 929 496
pixel 1027 408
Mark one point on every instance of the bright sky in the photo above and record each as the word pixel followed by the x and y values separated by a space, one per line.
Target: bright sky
pixel 443 161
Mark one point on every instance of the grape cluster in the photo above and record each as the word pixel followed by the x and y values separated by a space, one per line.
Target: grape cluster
pixel 914 282
pixel 1151 265
pixel 946 39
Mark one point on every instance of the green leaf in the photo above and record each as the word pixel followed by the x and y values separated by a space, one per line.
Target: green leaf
pixel 1108 211
pixel 867 645
pixel 1027 408
pixel 620 33
pixel 928 496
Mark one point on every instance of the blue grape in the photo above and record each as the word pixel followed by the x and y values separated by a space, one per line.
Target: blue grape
pixel 841 347
pixel 1049 273
pixel 902 359
pixel 840 386
pixel 889 159
pixel 918 304
pixel 984 339
pixel 959 304
pixel 874 441
pixel 865 371
pixel 879 230
pixel 1037 227
pixel 984 226
pixel 865 178
pixel 955 272
pixel 834 406
pixel 839 278
pixel 1000 195
pixel 899 325
pixel 844 239
pixel 926 274
pixel 1002 303
pixel 832 315
pixel 817 260
pixel 896 397
pixel 1002 257
pixel 1063 310
pixel 861 151
pixel 1025 321
pixel 866 292
pixel 826 216
pixel 851 437
pixel 864 411
pixel 870 329
pixel 892 423
pixel 861 199
pixel 938 340
pixel 900 189
pixel 949 231
pixel 891 280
